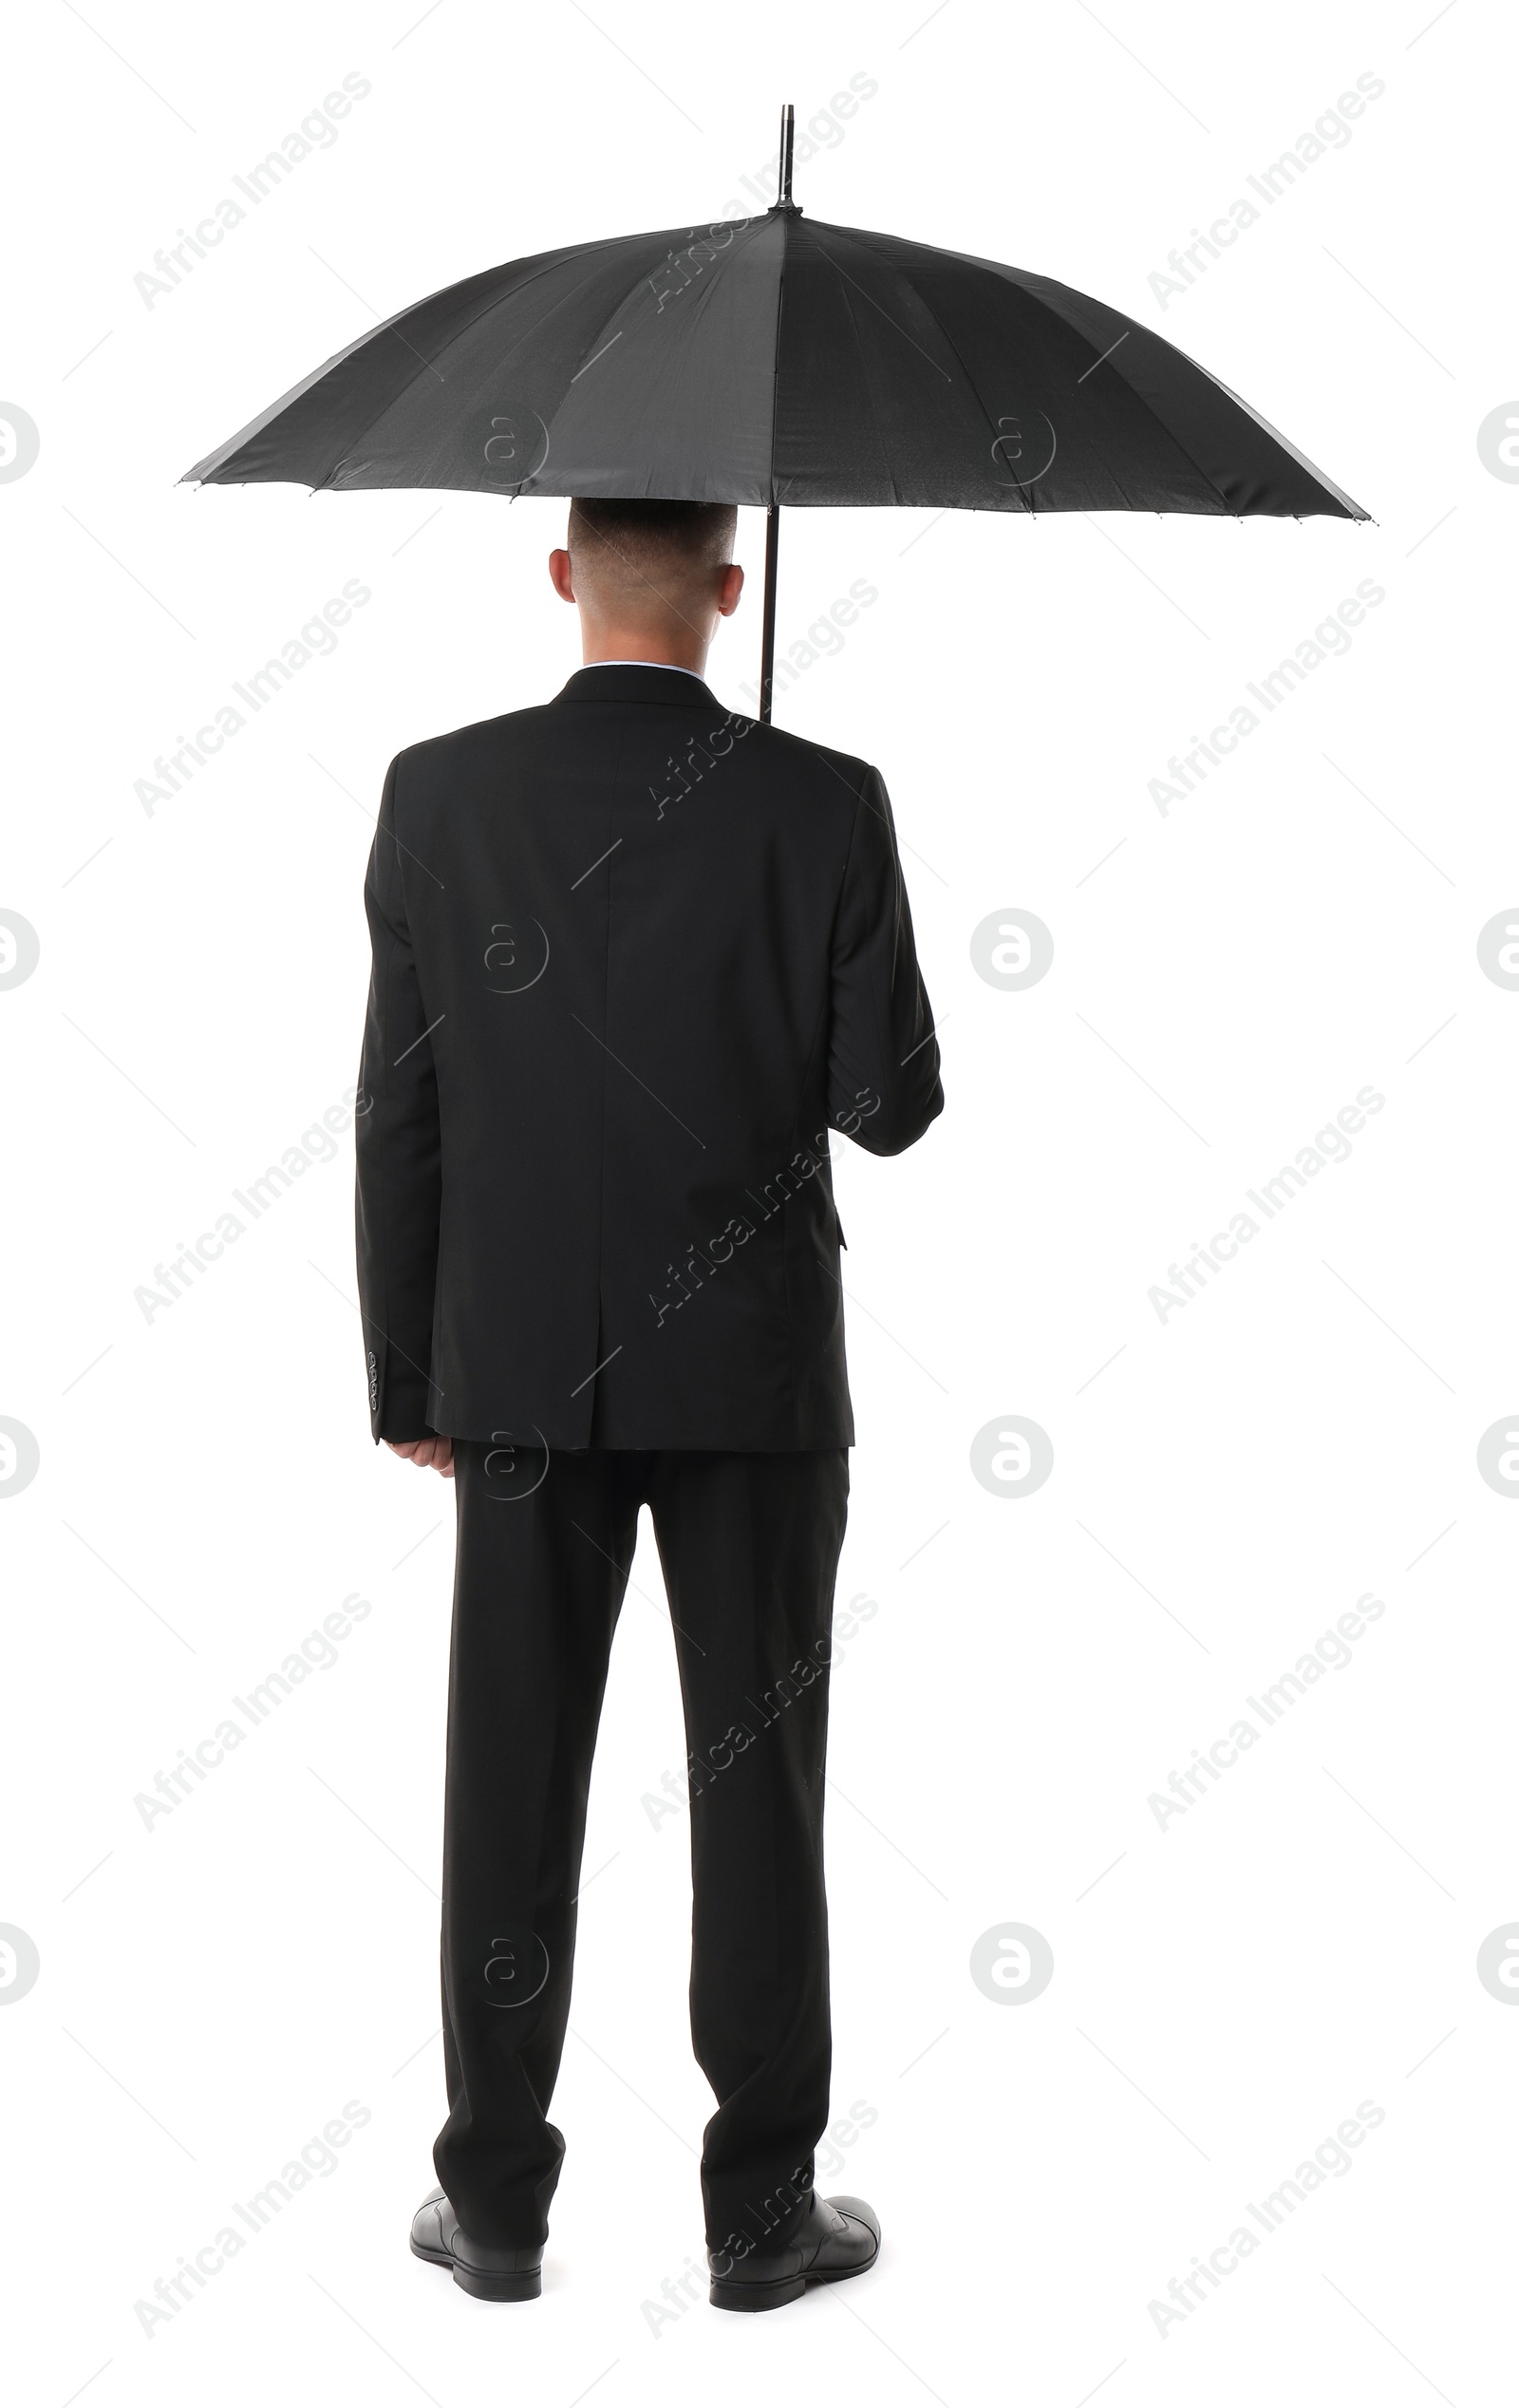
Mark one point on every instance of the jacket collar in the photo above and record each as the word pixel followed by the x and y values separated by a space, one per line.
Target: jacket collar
pixel 637 682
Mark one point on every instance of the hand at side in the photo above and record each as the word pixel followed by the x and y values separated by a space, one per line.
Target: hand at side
pixel 436 1452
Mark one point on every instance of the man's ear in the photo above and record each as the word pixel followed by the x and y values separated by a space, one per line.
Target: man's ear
pixel 729 591
pixel 559 575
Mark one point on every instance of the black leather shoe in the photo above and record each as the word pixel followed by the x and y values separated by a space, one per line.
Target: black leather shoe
pixel 485 2273
pixel 839 2237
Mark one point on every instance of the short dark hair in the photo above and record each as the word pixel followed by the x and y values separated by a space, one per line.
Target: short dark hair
pixel 643 543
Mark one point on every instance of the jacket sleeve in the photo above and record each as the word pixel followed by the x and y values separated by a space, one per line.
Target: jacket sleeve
pixel 883 1066
pixel 400 1158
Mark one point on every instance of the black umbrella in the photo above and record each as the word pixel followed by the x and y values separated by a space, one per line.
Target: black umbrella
pixel 777 361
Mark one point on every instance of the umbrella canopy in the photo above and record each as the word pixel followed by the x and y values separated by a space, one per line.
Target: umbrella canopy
pixel 777 361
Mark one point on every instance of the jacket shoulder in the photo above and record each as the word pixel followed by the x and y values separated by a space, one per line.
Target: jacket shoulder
pixel 793 753
pixel 787 755
pixel 457 745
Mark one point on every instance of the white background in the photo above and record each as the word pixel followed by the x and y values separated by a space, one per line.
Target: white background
pixel 1226 1482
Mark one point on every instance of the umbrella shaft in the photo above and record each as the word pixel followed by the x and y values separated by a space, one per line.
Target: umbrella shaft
pixel 767 640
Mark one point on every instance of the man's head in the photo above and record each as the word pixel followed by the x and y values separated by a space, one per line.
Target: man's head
pixel 651 579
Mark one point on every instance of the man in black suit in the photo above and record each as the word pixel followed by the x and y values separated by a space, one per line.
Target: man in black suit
pixel 636 958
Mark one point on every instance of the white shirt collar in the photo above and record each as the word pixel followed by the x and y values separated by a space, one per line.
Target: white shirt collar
pixel 674 664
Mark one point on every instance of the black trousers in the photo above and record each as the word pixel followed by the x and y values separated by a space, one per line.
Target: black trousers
pixel 749 1546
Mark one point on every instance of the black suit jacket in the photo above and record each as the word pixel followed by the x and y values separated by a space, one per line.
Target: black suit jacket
pixel 634 957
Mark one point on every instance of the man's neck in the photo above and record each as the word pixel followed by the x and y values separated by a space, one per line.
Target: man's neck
pixel 637 644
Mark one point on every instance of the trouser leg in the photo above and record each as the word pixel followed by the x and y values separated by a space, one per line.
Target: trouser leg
pixel 539 1579
pixel 750 1546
